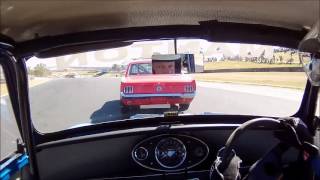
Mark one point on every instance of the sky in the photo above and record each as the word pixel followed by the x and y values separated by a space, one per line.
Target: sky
pixel 140 50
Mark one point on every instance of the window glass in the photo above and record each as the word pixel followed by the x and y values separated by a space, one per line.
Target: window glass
pixel 225 78
pixel 8 127
pixel 141 68
pixel 145 68
pixel 134 69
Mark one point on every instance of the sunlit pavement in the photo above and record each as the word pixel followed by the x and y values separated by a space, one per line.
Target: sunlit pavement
pixel 277 92
pixel 62 103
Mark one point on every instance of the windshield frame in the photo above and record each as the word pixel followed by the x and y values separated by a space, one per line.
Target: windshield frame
pixel 138 62
pixel 127 120
pixel 249 34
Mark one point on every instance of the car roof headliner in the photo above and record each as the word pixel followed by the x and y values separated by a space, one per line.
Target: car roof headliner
pixel 26 20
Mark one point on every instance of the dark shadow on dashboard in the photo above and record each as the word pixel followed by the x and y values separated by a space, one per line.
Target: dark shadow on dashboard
pixel 110 111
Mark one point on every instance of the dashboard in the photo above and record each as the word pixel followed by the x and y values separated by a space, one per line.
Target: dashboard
pixel 181 152
pixel 170 152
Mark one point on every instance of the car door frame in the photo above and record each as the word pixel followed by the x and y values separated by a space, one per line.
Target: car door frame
pixel 17 84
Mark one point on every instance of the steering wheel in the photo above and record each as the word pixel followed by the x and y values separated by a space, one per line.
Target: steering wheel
pixel 227 155
pixel 265 122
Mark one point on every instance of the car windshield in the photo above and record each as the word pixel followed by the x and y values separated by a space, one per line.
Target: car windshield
pixel 147 79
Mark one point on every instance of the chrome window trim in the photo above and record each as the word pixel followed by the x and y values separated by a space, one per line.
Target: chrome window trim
pixel 178 95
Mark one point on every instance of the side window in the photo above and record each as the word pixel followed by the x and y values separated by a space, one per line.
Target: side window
pixel 8 127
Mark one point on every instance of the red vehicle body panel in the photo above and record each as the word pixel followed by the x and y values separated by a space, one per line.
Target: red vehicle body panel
pixel 149 89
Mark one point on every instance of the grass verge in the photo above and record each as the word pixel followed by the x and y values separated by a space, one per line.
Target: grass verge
pixel 295 80
pixel 242 65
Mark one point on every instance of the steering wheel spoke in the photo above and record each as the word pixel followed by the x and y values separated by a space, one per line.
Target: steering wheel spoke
pixel 227 164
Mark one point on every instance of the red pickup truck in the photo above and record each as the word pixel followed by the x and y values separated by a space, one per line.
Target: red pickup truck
pixel 141 87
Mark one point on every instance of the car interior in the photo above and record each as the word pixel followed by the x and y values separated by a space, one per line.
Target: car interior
pixel 173 146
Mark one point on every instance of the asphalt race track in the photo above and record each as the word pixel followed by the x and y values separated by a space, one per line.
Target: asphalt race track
pixel 63 103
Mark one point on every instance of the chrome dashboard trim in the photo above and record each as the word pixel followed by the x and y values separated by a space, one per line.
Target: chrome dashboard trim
pixel 128 131
pixel 181 162
pixel 135 153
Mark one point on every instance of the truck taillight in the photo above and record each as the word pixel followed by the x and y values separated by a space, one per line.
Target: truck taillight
pixel 128 89
pixel 188 88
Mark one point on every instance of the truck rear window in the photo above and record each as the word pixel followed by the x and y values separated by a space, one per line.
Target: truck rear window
pixel 141 68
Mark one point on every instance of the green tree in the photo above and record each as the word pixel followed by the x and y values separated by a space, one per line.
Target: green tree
pixel 115 67
pixel 41 70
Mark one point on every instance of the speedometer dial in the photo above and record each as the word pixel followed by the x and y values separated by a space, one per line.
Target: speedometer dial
pixel 170 152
